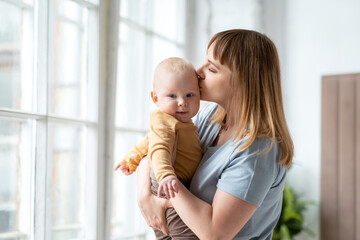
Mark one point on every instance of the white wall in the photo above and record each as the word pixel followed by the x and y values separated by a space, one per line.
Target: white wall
pixel 321 37
pixel 314 38
pixel 212 16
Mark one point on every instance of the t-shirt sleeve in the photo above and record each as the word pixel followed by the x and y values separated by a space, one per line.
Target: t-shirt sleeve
pixel 250 175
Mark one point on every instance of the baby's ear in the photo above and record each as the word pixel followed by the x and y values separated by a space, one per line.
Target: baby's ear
pixel 154 97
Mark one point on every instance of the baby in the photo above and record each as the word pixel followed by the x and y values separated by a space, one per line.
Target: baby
pixel 177 96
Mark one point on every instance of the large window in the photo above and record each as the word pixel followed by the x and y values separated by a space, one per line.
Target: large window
pixel 58 145
pixel 48 118
pixel 149 31
pixel 16 134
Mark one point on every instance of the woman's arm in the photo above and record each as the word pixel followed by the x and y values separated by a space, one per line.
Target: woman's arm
pixel 152 208
pixel 221 220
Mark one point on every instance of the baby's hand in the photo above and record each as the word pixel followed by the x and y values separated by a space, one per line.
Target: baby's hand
pixel 170 185
pixel 124 169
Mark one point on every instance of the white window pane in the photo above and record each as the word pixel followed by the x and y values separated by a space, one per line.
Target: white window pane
pixel 30 2
pixel 72 152
pixel 69 10
pixel 125 214
pixel 169 18
pixel 96 2
pixel 135 10
pixel 73 89
pixel 15 176
pixel 163 49
pixel 67 69
pixel 16 57
pixel 133 87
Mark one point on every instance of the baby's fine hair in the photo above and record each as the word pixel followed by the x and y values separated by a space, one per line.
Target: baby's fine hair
pixel 175 65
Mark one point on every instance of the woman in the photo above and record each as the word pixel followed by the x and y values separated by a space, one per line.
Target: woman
pixel 236 192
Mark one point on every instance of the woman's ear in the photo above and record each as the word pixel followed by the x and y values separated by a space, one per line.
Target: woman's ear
pixel 154 97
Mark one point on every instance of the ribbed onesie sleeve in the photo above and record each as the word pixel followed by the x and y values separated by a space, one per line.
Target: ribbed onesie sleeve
pixel 134 156
pixel 161 143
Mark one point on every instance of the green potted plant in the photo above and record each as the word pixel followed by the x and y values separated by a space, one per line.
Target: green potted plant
pixel 291 221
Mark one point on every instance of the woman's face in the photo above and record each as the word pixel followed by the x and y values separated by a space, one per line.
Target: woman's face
pixel 215 85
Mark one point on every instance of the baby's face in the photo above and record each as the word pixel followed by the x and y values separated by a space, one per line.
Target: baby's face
pixel 178 94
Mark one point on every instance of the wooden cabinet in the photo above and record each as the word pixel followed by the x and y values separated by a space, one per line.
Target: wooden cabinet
pixel 340 160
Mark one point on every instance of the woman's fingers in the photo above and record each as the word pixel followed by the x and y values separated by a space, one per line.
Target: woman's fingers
pixel 155 218
pixel 164 229
pixel 157 223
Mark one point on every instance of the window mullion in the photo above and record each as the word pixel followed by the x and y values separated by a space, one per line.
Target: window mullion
pixel 40 56
pixel 49 101
pixel 40 182
pixel 40 124
pixel 106 112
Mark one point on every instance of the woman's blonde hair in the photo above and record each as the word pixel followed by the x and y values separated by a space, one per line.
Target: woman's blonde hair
pixel 256 102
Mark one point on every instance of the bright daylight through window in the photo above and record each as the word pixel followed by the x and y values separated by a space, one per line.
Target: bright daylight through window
pixel 48 118
pixel 53 120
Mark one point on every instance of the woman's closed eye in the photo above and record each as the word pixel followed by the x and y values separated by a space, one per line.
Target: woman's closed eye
pixel 211 70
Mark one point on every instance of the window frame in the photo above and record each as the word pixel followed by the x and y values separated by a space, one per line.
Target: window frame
pixel 42 69
pixel 113 129
pixel 107 43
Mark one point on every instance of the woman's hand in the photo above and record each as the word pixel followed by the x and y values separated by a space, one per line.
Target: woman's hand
pixel 152 208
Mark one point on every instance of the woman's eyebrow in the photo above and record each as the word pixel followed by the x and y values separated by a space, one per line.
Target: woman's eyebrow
pixel 213 64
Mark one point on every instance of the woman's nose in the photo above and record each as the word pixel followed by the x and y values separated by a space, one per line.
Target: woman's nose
pixel 200 73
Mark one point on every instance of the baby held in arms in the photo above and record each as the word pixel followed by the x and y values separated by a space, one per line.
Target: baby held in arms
pixel 177 96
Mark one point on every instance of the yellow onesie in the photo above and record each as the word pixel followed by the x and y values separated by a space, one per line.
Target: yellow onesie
pixel 159 145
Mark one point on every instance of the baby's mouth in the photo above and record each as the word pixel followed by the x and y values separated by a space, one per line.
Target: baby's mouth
pixel 182 113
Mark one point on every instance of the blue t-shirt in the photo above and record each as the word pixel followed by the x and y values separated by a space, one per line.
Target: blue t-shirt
pixel 249 175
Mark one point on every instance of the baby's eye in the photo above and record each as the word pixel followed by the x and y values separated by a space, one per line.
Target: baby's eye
pixel 172 96
pixel 189 95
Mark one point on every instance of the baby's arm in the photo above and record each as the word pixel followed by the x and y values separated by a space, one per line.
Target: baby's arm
pixel 132 159
pixel 170 185
pixel 161 144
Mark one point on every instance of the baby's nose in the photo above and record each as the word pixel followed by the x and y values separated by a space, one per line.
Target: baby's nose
pixel 182 103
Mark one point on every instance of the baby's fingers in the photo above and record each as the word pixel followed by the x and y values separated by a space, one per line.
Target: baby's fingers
pixel 122 167
pixel 118 166
pixel 128 172
pixel 160 190
pixel 171 190
pixel 125 170
pixel 175 186
pixel 166 191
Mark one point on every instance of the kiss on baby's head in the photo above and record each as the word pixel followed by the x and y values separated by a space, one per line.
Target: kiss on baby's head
pixel 176 89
